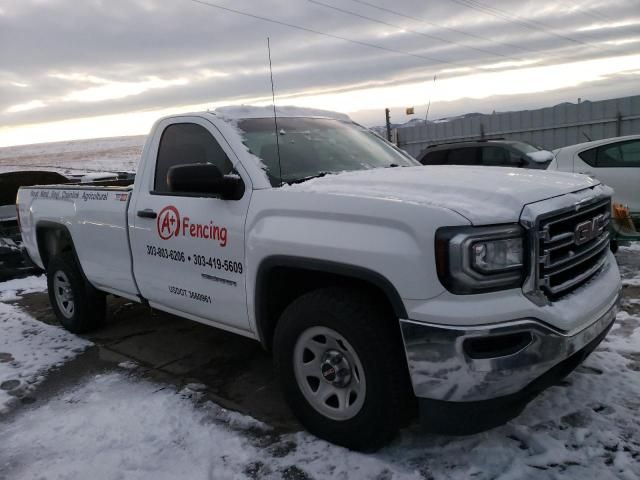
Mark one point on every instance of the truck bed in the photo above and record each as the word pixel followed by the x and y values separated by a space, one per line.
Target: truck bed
pixel 121 184
pixel 95 216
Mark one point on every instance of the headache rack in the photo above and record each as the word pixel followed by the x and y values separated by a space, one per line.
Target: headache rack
pixel 572 247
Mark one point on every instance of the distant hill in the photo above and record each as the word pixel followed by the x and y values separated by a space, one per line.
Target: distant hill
pixel 99 154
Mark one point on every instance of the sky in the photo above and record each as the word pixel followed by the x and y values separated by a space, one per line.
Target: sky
pixel 97 68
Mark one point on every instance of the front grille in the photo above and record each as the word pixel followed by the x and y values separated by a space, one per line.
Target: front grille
pixel 572 247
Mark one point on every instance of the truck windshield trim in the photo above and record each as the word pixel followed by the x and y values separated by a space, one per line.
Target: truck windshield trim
pixel 313 147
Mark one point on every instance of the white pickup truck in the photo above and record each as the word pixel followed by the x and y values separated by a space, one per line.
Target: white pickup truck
pixel 373 280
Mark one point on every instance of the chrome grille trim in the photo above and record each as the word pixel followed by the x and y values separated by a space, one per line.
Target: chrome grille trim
pixel 568 215
pixel 601 241
pixel 558 263
pixel 578 280
pixel 568 266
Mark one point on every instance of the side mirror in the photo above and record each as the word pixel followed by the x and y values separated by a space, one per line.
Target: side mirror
pixel 204 179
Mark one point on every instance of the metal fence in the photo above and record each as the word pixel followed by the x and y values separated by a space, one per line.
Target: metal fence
pixel 552 127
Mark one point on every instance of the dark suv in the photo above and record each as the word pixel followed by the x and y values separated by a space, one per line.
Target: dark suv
pixel 490 153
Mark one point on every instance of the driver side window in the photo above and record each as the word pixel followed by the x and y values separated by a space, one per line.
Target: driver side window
pixel 495 157
pixel 185 143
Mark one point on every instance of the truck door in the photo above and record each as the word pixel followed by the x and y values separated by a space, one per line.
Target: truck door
pixel 188 250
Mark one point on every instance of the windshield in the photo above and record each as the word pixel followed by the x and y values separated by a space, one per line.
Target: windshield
pixel 312 147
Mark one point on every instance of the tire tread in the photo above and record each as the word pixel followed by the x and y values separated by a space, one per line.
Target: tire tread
pixel 369 321
pixel 90 303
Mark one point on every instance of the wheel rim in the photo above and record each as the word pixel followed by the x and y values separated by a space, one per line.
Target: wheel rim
pixel 63 294
pixel 329 373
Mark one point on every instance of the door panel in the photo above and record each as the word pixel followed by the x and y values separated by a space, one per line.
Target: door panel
pixel 189 250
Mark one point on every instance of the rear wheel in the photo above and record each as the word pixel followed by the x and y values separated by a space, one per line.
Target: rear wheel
pixel 77 304
pixel 340 363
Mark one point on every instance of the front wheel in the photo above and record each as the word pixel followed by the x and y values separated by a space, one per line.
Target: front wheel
pixel 340 363
pixel 78 305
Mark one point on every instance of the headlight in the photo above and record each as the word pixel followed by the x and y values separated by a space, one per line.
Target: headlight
pixel 480 259
pixel 491 256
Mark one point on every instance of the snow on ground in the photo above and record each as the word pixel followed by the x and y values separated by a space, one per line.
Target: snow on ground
pixel 13 289
pixel 631 273
pixel 120 425
pixel 632 282
pixel 631 247
pixel 110 154
pixel 132 428
pixel 28 348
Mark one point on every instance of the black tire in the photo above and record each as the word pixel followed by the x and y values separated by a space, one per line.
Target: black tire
pixel 89 304
pixel 375 337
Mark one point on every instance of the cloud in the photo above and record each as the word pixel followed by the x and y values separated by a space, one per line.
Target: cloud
pixel 110 90
pixel 481 85
pixel 23 107
pixel 610 25
pixel 69 60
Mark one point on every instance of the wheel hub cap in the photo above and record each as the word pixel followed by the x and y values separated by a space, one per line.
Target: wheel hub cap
pixel 335 368
pixel 329 373
pixel 63 294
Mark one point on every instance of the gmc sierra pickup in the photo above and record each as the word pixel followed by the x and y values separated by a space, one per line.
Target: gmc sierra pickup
pixel 378 284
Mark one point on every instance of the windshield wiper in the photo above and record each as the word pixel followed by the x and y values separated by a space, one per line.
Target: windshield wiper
pixel 309 177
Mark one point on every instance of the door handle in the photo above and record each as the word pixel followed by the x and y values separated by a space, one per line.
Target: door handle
pixel 147 213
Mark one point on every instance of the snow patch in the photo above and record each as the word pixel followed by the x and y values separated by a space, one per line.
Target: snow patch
pixel 28 349
pixel 13 289
pixel 113 426
pixel 631 247
pixel 233 129
pixel 76 156
pixel 249 111
pixel 130 428
pixel 630 276
pixel 631 282
pixel 128 365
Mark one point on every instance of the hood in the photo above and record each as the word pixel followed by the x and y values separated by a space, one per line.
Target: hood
pixel 484 195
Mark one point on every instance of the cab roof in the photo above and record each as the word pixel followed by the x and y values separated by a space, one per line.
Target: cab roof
pixel 238 112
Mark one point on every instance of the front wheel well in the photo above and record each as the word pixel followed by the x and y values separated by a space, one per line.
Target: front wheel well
pixel 282 280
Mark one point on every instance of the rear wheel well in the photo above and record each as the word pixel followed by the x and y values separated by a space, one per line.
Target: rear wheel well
pixel 280 284
pixel 52 240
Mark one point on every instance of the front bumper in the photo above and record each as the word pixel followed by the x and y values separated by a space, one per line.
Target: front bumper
pixel 483 362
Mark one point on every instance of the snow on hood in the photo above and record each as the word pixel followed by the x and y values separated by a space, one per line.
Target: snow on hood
pixel 237 112
pixel 483 195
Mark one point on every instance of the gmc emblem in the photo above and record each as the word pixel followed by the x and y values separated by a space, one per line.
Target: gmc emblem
pixel 590 229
